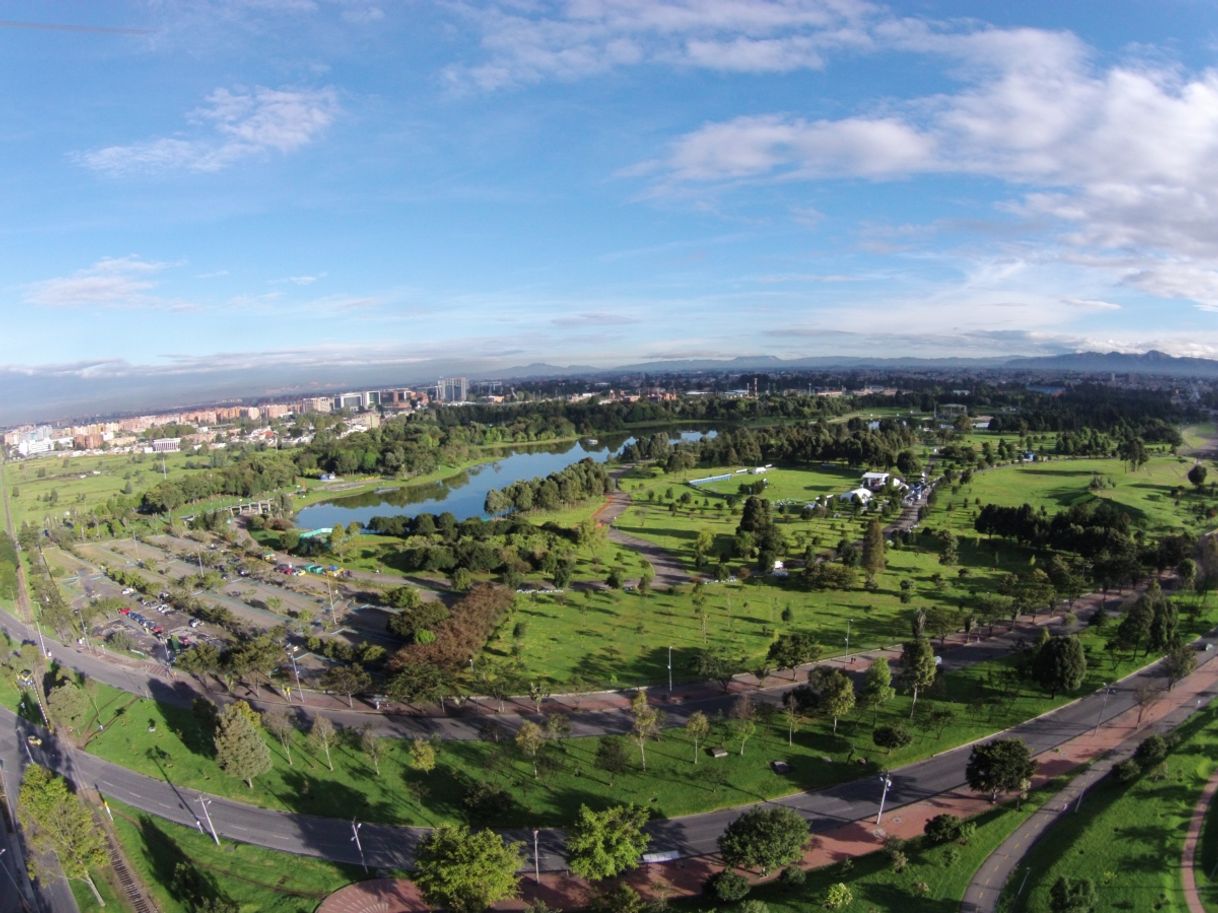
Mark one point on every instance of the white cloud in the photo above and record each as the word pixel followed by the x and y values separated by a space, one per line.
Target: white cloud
pixel 529 43
pixel 116 282
pixel 230 126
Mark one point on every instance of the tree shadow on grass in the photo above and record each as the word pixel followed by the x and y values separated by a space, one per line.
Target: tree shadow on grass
pixel 173 870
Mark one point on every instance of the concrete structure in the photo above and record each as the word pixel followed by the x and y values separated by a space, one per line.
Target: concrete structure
pixel 452 389
pixel 167 445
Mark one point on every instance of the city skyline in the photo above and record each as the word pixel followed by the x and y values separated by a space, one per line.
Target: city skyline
pixel 228 187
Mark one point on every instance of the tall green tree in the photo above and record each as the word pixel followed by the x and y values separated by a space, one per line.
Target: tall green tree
pixel 764 838
pixel 241 751
pixel 697 727
pixel 466 871
pixel 877 687
pixel 918 667
pixel 604 844
pixel 278 724
pixel 348 679
pixel 790 651
pixel 58 823
pixel 1060 664
pixel 1002 765
pixel 530 739
pixel 646 723
pixel 828 693
pixel 873 548
pixel 1179 663
pixel 321 736
pixel 611 756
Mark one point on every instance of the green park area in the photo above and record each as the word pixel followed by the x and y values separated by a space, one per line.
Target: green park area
pixel 1128 834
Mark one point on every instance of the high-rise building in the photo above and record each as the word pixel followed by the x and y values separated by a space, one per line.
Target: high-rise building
pixel 453 389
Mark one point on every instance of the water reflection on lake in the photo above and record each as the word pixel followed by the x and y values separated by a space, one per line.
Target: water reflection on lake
pixel 463 495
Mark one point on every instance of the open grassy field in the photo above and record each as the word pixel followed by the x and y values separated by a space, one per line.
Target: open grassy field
pixel 1058 484
pixel 624 636
pixel 259 880
pixel 79 483
pixel 1127 838
pixel 1207 860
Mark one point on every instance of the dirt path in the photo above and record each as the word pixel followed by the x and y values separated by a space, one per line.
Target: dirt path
pixel 669 571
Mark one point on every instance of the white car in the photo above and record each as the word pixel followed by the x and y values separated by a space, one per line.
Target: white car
pixel 194 622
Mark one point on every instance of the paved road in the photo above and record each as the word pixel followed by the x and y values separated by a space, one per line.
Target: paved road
pixel 988 882
pixel 393 847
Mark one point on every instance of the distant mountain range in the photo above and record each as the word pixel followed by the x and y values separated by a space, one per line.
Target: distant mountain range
pixel 48 395
pixel 1099 363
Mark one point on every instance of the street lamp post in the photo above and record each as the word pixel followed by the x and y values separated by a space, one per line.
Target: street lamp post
pixel 536 858
pixel 206 814
pixel 296 673
pixel 886 781
pixel 670 671
pixel 848 623
pixel 359 846
pixel 1103 706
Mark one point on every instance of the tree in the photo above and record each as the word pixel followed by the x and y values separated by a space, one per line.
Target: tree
pixel 241 751
pixel 58 823
pixel 422 755
pixel 793 650
pixel 1179 663
pixel 792 716
pixel 611 756
pixel 466 871
pixel 646 723
pixel 347 680
pixel 999 766
pixel 1197 475
pixel 69 706
pixel 1146 694
pixel 607 843
pixel 276 722
pixel 764 838
pixel 373 746
pixel 942 829
pixel 877 687
pixel 918 665
pixel 838 896
pixel 697 727
pixel 1060 664
pixel 530 740
pixel 829 692
pixel 873 548
pixel 744 720
pixel 321 736
pixel 716 666
pixel 1072 895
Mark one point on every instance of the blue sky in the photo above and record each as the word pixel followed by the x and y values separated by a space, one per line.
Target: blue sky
pixel 212 184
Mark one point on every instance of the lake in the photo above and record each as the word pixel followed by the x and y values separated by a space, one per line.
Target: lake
pixel 463 495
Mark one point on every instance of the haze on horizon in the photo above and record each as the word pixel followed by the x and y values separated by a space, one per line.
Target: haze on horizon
pixel 223 187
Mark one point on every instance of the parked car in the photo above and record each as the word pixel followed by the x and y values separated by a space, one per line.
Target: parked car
pixel 194 622
pixel 125 610
pixel 34 740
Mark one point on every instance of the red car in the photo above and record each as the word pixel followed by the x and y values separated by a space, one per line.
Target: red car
pixel 125 610
pixel 157 629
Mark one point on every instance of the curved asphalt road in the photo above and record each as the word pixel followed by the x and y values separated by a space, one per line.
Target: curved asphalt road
pixel 388 846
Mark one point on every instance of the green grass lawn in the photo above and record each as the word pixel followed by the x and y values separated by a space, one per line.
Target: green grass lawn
pixel 1127 838
pixel 1207 860
pixel 259 880
pixel 933 882
pixel 1059 484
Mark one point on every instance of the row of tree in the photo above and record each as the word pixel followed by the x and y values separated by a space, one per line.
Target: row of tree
pixel 571 485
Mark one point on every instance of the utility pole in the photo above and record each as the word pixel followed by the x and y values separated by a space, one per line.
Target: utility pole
pixel 670 671
pixel 887 782
pixel 359 846
pixel 206 814
pixel 848 623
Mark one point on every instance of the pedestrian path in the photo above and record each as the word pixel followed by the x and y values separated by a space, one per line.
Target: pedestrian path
pixel 1188 859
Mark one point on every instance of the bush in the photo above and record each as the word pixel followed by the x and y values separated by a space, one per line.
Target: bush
pixel 1127 771
pixel 792 876
pixel 942 829
pixel 838 896
pixel 1150 752
pixel 890 737
pixel 728 886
